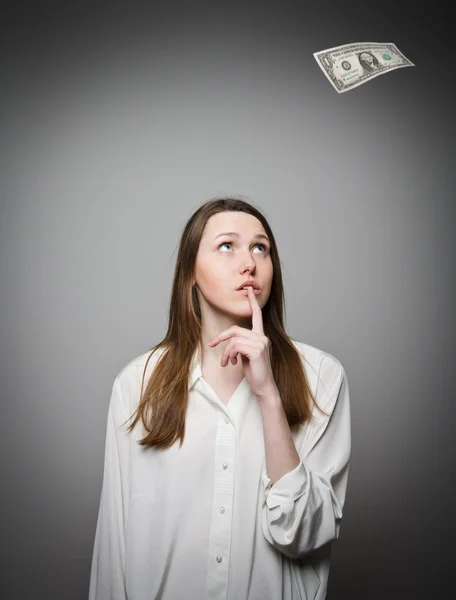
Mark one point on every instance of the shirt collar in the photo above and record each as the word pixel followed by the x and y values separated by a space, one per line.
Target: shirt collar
pixel 195 370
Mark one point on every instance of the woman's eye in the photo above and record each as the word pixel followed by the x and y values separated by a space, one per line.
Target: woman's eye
pixel 229 244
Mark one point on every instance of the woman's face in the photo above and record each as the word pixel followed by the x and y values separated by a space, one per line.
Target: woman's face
pixel 367 58
pixel 225 261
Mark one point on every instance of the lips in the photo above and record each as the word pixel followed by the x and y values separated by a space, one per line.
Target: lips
pixel 246 292
pixel 249 283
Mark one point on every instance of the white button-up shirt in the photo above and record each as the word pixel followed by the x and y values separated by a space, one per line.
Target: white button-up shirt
pixel 203 522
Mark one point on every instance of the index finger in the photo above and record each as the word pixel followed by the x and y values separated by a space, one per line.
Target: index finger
pixel 257 316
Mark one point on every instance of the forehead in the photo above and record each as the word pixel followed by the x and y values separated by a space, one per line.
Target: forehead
pixel 243 223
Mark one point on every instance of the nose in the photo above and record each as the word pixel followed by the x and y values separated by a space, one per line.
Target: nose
pixel 247 263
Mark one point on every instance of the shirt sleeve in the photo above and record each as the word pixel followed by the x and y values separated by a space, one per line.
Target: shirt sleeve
pixel 107 577
pixel 303 509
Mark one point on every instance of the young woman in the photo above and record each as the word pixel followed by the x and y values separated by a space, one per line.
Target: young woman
pixel 230 481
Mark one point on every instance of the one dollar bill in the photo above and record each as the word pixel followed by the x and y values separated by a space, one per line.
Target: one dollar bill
pixel 351 65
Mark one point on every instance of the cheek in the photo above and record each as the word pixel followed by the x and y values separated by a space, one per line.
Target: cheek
pixel 214 288
pixel 213 284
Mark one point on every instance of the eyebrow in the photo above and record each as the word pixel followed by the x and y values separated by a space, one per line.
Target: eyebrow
pixel 258 236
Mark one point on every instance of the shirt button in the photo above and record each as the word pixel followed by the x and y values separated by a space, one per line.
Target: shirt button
pixel 219 559
pixel 227 420
pixel 222 509
pixel 225 466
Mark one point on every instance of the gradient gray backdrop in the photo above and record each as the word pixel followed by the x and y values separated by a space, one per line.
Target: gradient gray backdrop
pixel 117 121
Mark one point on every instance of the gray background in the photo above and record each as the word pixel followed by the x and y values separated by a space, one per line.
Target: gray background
pixel 117 121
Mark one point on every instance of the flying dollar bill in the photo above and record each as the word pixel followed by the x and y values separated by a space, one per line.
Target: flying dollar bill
pixel 351 65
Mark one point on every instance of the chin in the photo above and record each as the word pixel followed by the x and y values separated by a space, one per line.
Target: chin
pixel 238 312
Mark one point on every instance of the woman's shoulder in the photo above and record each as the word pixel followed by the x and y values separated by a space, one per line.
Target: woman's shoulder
pixel 130 377
pixel 316 356
pixel 325 374
pixel 323 369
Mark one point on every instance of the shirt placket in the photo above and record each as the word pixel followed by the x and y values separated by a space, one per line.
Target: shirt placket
pixel 218 561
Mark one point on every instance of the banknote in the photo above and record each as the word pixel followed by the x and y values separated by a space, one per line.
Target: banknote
pixel 351 65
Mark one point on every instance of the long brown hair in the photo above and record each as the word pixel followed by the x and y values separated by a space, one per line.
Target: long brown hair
pixel 163 404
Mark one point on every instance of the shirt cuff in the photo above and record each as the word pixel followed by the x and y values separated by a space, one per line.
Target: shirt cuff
pixel 288 488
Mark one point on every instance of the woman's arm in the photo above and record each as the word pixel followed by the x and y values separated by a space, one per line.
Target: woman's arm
pixel 303 510
pixel 107 578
